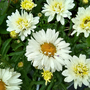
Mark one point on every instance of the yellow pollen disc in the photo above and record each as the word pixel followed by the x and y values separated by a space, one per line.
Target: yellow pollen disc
pixel 47 76
pixel 86 23
pixel 57 7
pixel 27 4
pixel 2 85
pixel 48 49
pixel 81 70
pixel 22 23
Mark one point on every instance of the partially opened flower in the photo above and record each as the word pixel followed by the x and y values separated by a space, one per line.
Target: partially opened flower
pixel 82 22
pixel 58 7
pixel 27 4
pixel 47 51
pixel 47 75
pixel 9 80
pixel 78 70
pixel 22 24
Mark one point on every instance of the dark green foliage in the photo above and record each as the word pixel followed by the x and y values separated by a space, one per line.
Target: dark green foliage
pixel 11 52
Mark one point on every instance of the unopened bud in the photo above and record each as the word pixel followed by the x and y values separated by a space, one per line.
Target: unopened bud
pixel 20 64
pixel 39 14
pixel 18 41
pixel 85 1
pixel 13 34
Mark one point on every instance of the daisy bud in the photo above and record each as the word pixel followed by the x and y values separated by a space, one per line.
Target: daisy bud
pixel 40 14
pixel 20 64
pixel 13 34
pixel 85 1
pixel 18 41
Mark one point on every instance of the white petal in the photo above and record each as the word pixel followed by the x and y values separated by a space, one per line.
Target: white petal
pixel 50 18
pixel 68 79
pixel 62 20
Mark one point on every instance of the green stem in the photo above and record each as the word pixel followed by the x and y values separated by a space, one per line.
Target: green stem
pixel 35 82
pixel 4 61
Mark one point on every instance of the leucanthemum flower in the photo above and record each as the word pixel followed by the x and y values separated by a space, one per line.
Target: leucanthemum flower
pixel 58 7
pixel 47 75
pixel 22 24
pixel 82 22
pixel 9 80
pixel 78 70
pixel 27 4
pixel 47 51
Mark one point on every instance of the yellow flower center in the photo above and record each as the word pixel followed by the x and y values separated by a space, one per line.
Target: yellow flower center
pixel 13 34
pixel 57 6
pixel 48 49
pixel 86 23
pixel 2 85
pixel 81 70
pixel 27 4
pixel 22 23
pixel 47 76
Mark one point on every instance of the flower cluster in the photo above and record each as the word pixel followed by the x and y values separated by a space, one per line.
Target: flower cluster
pixel 45 47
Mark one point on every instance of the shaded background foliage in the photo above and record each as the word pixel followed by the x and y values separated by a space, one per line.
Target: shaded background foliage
pixel 12 52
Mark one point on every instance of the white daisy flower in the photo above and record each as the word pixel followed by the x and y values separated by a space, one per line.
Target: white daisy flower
pixel 58 7
pixel 9 80
pixel 47 51
pixel 82 21
pixel 78 70
pixel 22 24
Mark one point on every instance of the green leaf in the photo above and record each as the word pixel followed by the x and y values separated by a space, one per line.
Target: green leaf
pixel 3 7
pixel 15 58
pixel 50 86
pixel 87 89
pixel 0 41
pixel 16 53
pixel 5 46
pixel 16 46
pixel 2 18
pixel 63 86
pixel 6 50
pixel 43 87
pixel 88 41
pixel 3 31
